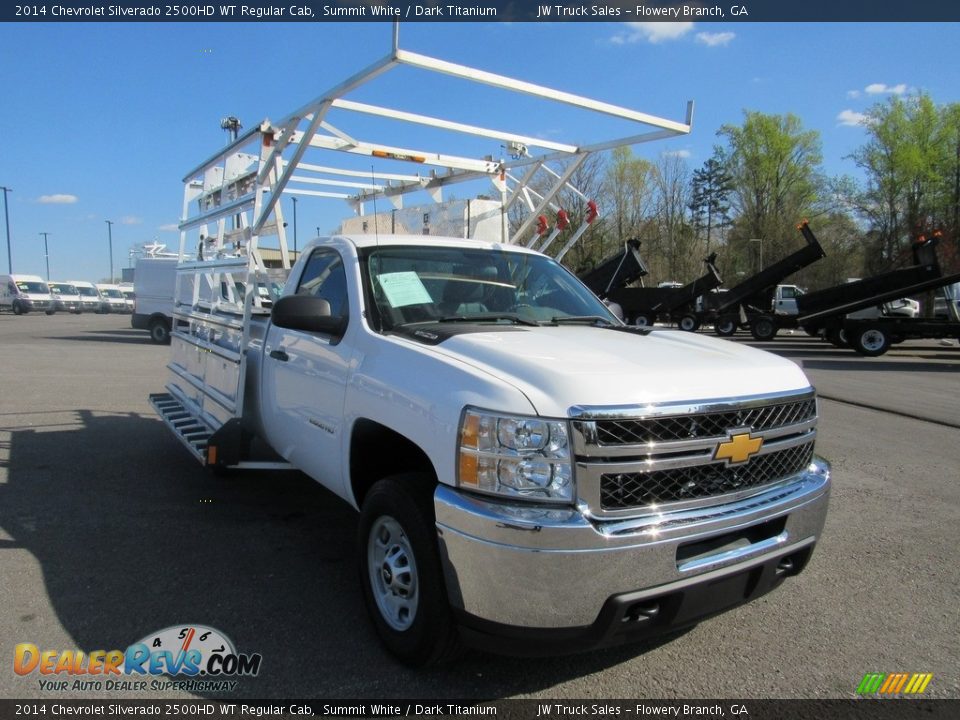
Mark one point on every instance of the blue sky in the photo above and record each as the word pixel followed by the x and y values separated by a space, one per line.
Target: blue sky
pixel 101 121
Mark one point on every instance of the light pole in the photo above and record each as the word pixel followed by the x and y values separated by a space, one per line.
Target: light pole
pixel 110 242
pixel 6 214
pixel 294 226
pixel 46 253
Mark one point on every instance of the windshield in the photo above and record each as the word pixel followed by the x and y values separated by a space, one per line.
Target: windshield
pixel 111 293
pixel 61 289
pixel 26 286
pixel 87 291
pixel 128 294
pixel 437 284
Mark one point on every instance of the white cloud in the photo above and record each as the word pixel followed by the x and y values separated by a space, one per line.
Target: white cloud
pixel 59 199
pixel 677 153
pixel 169 227
pixel 652 32
pixel 130 220
pixel 853 94
pixel 715 39
pixel 851 118
pixel 882 89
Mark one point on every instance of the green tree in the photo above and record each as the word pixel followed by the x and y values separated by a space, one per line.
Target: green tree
pixel 774 166
pixel 674 239
pixel 903 161
pixel 710 197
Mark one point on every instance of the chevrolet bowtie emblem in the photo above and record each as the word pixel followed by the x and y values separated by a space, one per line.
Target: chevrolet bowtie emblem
pixel 738 448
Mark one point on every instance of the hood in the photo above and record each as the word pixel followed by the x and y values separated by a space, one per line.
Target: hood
pixel 558 368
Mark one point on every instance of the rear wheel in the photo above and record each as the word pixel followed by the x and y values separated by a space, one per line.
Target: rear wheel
pixel 400 570
pixel 689 323
pixel 159 332
pixel 836 337
pixel 763 328
pixel 871 341
pixel 725 326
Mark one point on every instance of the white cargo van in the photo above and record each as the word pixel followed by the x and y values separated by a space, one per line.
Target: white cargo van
pixel 66 297
pixel 112 298
pixel 154 282
pixel 89 297
pixel 126 289
pixel 23 293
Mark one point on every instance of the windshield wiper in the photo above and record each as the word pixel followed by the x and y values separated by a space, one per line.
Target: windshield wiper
pixel 597 320
pixel 495 317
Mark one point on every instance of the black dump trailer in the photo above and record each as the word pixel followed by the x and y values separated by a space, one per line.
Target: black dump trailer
pixel 644 306
pixel 616 271
pixel 826 312
pixel 750 303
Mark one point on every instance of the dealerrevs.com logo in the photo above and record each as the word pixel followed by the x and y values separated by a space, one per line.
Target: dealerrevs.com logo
pixel 197 658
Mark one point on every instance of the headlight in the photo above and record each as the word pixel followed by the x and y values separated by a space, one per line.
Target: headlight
pixel 516 456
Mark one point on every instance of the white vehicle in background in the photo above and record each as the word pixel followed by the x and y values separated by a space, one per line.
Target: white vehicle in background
pixel 154 282
pixel 66 297
pixel 129 297
pixel 23 293
pixel 112 297
pixel 90 300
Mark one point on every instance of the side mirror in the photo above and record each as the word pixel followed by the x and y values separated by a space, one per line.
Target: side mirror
pixel 307 313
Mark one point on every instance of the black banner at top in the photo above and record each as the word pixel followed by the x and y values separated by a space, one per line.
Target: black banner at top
pixel 484 11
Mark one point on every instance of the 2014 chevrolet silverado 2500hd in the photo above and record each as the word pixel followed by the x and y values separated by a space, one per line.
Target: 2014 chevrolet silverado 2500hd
pixel 532 474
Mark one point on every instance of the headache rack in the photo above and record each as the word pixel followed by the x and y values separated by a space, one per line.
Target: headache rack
pixel 233 236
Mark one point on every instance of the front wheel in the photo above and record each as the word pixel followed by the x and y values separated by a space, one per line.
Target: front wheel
pixel 870 341
pixel 763 328
pixel 689 323
pixel 643 320
pixel 18 308
pixel 400 570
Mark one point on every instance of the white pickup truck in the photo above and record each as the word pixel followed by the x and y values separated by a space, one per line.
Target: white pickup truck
pixel 533 476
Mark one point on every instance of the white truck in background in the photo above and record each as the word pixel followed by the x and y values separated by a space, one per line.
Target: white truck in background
pixel 532 475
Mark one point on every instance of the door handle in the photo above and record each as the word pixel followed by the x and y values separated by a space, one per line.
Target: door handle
pixel 279 355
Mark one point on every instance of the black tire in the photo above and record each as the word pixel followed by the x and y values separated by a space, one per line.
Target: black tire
pixel 725 326
pixel 689 323
pixel 836 337
pixel 643 320
pixel 763 328
pixel 401 574
pixel 870 341
pixel 50 312
pixel 159 331
pixel 18 309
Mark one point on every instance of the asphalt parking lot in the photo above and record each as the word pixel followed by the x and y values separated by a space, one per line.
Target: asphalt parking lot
pixel 109 531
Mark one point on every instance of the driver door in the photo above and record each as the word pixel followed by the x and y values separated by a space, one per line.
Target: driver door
pixel 304 379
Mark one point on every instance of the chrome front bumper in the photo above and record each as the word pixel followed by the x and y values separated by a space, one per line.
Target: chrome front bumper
pixel 508 565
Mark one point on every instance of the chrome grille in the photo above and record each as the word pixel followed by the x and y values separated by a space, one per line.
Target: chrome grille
pixel 706 425
pixel 619 491
pixel 632 460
